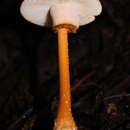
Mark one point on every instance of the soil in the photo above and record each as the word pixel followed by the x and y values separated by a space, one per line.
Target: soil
pixel 99 65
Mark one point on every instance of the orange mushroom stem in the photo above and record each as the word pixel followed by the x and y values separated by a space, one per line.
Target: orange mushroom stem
pixel 64 119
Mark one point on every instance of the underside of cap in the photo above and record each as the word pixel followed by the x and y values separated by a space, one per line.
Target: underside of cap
pixel 36 12
pixel 65 13
pixel 54 12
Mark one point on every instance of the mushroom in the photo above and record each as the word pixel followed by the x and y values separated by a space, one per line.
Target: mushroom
pixel 64 16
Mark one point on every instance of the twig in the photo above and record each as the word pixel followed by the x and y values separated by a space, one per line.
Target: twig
pixel 20 119
pixel 82 80
pixel 116 96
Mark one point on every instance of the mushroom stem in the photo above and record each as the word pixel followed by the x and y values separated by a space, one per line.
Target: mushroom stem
pixel 64 119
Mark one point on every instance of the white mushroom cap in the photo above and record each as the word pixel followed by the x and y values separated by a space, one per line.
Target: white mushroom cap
pixel 54 12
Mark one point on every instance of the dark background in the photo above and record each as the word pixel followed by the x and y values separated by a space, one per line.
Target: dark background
pixel 99 64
